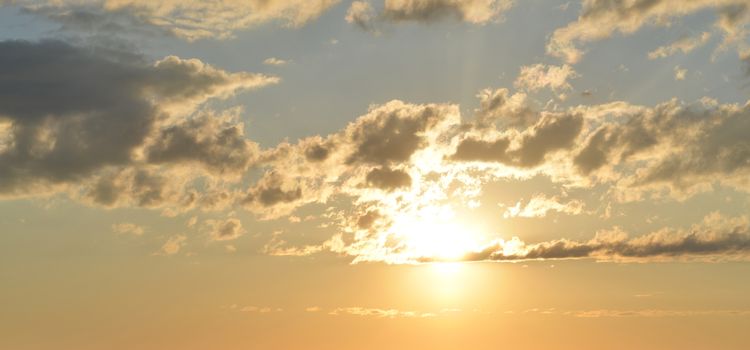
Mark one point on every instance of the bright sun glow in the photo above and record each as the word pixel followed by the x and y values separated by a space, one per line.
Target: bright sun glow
pixel 437 235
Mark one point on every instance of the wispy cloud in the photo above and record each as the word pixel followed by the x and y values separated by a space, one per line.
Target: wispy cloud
pixel 127 228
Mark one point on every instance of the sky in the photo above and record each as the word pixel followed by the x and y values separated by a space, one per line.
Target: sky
pixel 398 174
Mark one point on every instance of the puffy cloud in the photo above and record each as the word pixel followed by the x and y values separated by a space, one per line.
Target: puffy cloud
pixel 679 73
pixel 500 106
pixel 471 149
pixel 540 76
pixel 377 148
pixel 689 147
pixel 225 230
pixel 173 245
pixel 143 139
pixel 553 132
pixel 388 179
pixel 190 20
pixel 274 194
pixel 684 45
pixel 716 238
pixel 600 19
pixel 392 133
pixel 362 14
pixel 127 228
pixel 216 142
pixel 672 149
pixel 69 114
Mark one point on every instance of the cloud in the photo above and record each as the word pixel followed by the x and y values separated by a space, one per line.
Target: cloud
pixel 225 230
pixel 553 132
pixel 388 179
pixel 716 238
pixel 273 61
pixel 173 245
pixel 214 141
pixel 379 313
pixel 147 137
pixel 471 149
pixel 75 117
pixel 684 45
pixel 540 76
pixel 645 313
pixel 362 13
pixel 600 19
pixel 381 144
pixel 655 313
pixel 190 20
pixel 715 151
pixel 127 228
pixel 671 150
pixel 539 205
pixel 277 246
pixel 679 73
pixel 500 106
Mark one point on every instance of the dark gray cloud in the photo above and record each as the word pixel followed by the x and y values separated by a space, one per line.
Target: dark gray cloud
pixel 716 238
pixel 483 151
pixel 362 13
pixel 388 179
pixel 552 133
pixel 207 140
pixel 132 187
pixel 391 135
pixel 720 147
pixel 273 189
pixel 73 111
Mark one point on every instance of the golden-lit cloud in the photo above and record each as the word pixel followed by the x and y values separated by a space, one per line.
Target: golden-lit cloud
pixel 684 45
pixel 716 238
pixel 225 230
pixel 600 19
pixel 364 15
pixel 379 313
pixel 173 245
pixel 539 206
pixel 540 76
pixel 394 180
pixel 127 228
pixel 191 20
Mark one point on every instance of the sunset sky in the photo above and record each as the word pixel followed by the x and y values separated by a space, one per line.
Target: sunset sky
pixel 378 174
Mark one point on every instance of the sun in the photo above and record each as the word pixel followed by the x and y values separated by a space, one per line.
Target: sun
pixel 435 237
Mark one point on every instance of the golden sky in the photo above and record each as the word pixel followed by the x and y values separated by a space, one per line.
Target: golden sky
pixel 380 174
